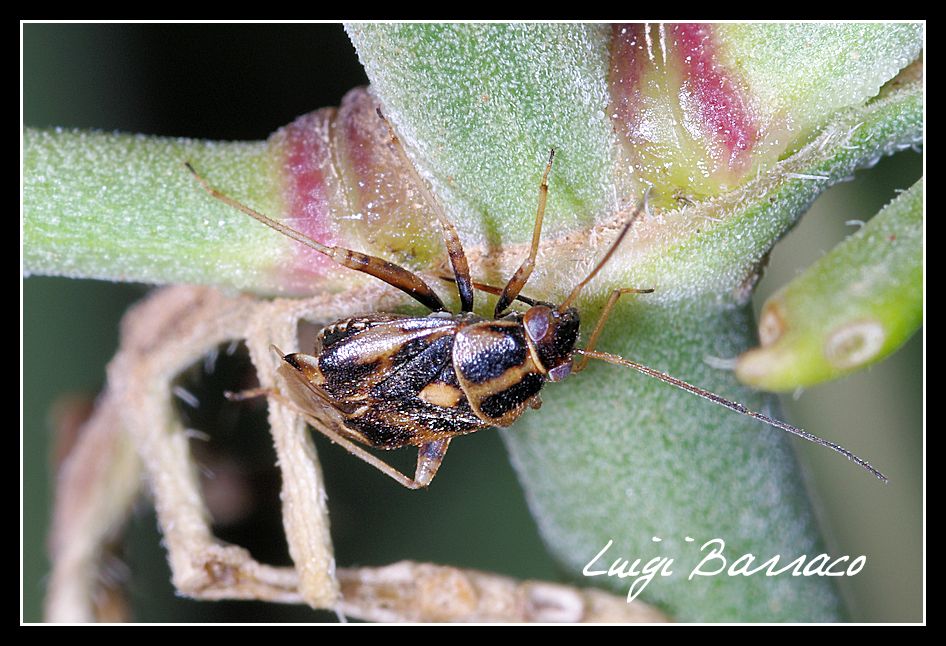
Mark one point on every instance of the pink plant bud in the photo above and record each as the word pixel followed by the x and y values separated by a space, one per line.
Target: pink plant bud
pixel 344 185
pixel 684 117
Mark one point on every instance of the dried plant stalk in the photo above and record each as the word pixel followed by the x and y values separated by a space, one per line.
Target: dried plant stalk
pixel 409 591
pixel 96 485
pixel 135 429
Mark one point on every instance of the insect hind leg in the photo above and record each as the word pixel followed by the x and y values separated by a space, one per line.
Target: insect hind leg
pixel 429 455
pixel 394 275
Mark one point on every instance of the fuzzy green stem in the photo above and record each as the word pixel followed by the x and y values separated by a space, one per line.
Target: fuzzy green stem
pixel 117 206
pixel 614 455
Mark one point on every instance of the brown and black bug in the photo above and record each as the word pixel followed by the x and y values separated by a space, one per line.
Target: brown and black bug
pixel 389 380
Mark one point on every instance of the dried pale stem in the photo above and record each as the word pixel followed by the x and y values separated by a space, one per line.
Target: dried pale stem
pixel 134 429
pixel 160 339
pixel 422 592
pixel 95 487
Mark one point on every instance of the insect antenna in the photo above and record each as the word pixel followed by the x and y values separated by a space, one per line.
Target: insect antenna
pixel 731 405
pixel 638 211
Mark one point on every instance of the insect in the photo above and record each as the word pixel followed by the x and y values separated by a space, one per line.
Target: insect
pixel 389 381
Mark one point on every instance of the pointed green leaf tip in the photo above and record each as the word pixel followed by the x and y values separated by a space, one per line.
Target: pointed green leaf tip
pixel 852 308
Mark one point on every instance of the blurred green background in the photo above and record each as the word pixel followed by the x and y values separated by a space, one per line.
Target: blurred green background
pixel 242 82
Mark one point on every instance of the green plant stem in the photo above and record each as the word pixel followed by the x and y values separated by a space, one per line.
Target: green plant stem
pixel 852 308
pixel 123 207
pixel 614 455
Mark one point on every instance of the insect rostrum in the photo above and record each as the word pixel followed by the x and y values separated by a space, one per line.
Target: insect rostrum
pixel 388 381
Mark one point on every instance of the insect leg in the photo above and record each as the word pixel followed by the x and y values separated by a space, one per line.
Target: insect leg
pixel 521 277
pixel 492 289
pixel 605 313
pixel 635 214
pixel 429 457
pixel 322 427
pixel 249 393
pixel 451 238
pixel 392 274
pixel 302 389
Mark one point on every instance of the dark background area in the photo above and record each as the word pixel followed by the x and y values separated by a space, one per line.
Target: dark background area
pixel 242 82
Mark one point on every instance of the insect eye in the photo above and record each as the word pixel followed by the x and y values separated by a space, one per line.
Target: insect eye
pixel 537 321
pixel 560 371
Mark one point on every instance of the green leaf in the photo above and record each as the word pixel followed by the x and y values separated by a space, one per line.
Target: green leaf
pixel 807 71
pixel 701 108
pixel 479 107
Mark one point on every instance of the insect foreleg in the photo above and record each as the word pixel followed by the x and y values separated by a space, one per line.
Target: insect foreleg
pixel 605 313
pixel 635 215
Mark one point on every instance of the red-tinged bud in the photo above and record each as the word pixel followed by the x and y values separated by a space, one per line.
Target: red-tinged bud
pixel 344 185
pixel 684 118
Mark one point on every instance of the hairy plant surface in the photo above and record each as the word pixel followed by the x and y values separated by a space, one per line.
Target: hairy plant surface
pixel 735 128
